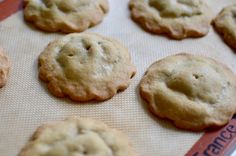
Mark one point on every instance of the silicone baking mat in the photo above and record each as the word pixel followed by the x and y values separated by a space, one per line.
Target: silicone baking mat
pixel 25 102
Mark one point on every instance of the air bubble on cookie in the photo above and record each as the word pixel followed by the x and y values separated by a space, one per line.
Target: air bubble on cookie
pixel 86 44
pixel 70 55
pixel 132 75
pixel 196 76
pixel 87 47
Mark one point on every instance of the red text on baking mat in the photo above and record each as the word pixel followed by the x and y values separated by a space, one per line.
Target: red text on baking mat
pixel 217 143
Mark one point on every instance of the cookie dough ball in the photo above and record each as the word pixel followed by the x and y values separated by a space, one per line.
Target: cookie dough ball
pixel 77 137
pixel 65 15
pixel 86 67
pixel 177 19
pixel 195 92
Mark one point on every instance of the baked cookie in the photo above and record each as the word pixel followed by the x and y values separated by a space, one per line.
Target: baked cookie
pixel 177 19
pixel 225 24
pixel 65 15
pixel 4 68
pixel 86 67
pixel 77 137
pixel 195 92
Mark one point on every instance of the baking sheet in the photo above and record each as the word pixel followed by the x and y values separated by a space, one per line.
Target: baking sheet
pixel 25 103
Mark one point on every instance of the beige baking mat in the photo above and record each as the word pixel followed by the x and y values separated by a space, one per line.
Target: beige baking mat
pixel 25 103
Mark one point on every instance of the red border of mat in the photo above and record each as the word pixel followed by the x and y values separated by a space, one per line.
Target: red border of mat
pixel 215 143
pixel 8 7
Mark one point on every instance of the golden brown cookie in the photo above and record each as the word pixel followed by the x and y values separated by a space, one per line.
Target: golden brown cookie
pixel 4 68
pixel 225 24
pixel 77 137
pixel 195 92
pixel 177 19
pixel 65 15
pixel 86 67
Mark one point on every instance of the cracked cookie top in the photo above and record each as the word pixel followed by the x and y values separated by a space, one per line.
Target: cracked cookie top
pixel 65 15
pixel 86 67
pixel 77 137
pixel 177 19
pixel 194 91
pixel 225 24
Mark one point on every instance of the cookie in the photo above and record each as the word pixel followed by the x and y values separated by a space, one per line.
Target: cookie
pixel 86 67
pixel 225 24
pixel 4 68
pixel 65 15
pixel 77 137
pixel 177 19
pixel 195 92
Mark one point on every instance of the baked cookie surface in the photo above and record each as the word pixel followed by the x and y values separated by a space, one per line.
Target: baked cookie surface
pixel 177 19
pixel 194 92
pixel 4 68
pixel 86 67
pixel 65 15
pixel 225 24
pixel 77 137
